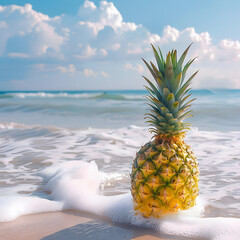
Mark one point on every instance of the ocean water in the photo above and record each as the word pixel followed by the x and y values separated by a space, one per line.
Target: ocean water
pixel 73 150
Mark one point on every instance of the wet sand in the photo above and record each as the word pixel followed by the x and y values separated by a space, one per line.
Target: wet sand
pixel 70 225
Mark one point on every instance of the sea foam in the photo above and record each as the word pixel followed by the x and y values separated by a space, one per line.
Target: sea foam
pixel 75 185
pixel 74 95
pixel 52 169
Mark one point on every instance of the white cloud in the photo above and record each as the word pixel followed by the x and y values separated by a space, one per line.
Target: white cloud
pixel 33 30
pixel 18 55
pixel 115 46
pixel 98 38
pixel 95 27
pixel 69 69
pixel 89 73
pixel 104 74
pixel 88 4
pixel 106 15
pixel 103 52
pixel 229 44
pixel 136 50
pixel 86 51
pixel 138 68
pixel 94 33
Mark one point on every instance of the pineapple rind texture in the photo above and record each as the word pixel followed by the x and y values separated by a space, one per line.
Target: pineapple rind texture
pixel 164 177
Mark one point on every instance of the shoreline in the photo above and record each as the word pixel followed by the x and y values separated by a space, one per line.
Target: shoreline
pixel 71 225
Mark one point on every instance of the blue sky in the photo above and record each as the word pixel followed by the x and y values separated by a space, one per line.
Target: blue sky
pixel 78 45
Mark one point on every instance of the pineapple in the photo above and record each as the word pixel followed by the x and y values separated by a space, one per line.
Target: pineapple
pixel 165 172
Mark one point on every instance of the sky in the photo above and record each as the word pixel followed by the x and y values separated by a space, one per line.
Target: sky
pixel 93 45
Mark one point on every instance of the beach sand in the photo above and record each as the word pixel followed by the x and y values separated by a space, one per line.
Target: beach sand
pixel 70 225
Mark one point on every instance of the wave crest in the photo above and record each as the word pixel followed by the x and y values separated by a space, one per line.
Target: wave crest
pixel 87 95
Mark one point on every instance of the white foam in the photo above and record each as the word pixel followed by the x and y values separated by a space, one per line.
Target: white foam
pixel 11 125
pixel 75 185
pixel 85 95
pixel 74 180
pixel 54 95
pixel 14 206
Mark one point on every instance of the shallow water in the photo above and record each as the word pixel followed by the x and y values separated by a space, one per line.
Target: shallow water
pixel 45 136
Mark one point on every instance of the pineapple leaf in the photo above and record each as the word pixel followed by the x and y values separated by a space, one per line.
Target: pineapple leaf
pixel 184 108
pixel 164 110
pixel 190 79
pixel 174 107
pixel 174 59
pixel 150 90
pixel 187 104
pixel 175 104
pixel 173 121
pixel 181 60
pixel 161 55
pixel 160 79
pixel 185 98
pixel 185 68
pixel 153 123
pixel 163 124
pixel 157 92
pixel 185 115
pixel 186 124
pixel 178 81
pixel 168 98
pixel 169 116
pixel 166 92
pixel 151 117
pixel 181 91
pixel 154 109
pixel 156 104
pixel 170 101
pixel 152 130
pixel 169 74
pixel 159 74
pixel 153 90
pixel 158 59
pixel 155 100
pixel 153 97
pixel 158 118
pixel 150 69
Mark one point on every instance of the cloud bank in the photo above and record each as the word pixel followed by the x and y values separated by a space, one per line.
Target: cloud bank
pixel 97 49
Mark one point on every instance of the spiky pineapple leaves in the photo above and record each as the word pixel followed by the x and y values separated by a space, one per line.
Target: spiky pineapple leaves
pixel 168 99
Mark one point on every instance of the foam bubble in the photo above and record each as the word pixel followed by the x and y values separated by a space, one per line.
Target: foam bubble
pixel 54 95
pixel 97 95
pixel 73 179
pixel 75 185
pixel 14 206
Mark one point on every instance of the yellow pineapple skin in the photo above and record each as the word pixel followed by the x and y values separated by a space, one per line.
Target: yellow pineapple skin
pixel 164 177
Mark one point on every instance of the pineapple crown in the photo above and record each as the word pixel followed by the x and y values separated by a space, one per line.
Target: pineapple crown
pixel 169 97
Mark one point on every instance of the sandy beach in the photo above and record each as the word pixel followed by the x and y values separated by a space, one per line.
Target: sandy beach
pixel 70 225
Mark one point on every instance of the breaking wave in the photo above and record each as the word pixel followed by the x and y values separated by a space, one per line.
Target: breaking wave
pixel 86 95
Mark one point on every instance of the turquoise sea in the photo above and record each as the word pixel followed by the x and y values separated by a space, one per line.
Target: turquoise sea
pixel 213 109
pixel 58 148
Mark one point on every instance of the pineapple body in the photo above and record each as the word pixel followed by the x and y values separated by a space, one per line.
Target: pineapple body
pixel 164 177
